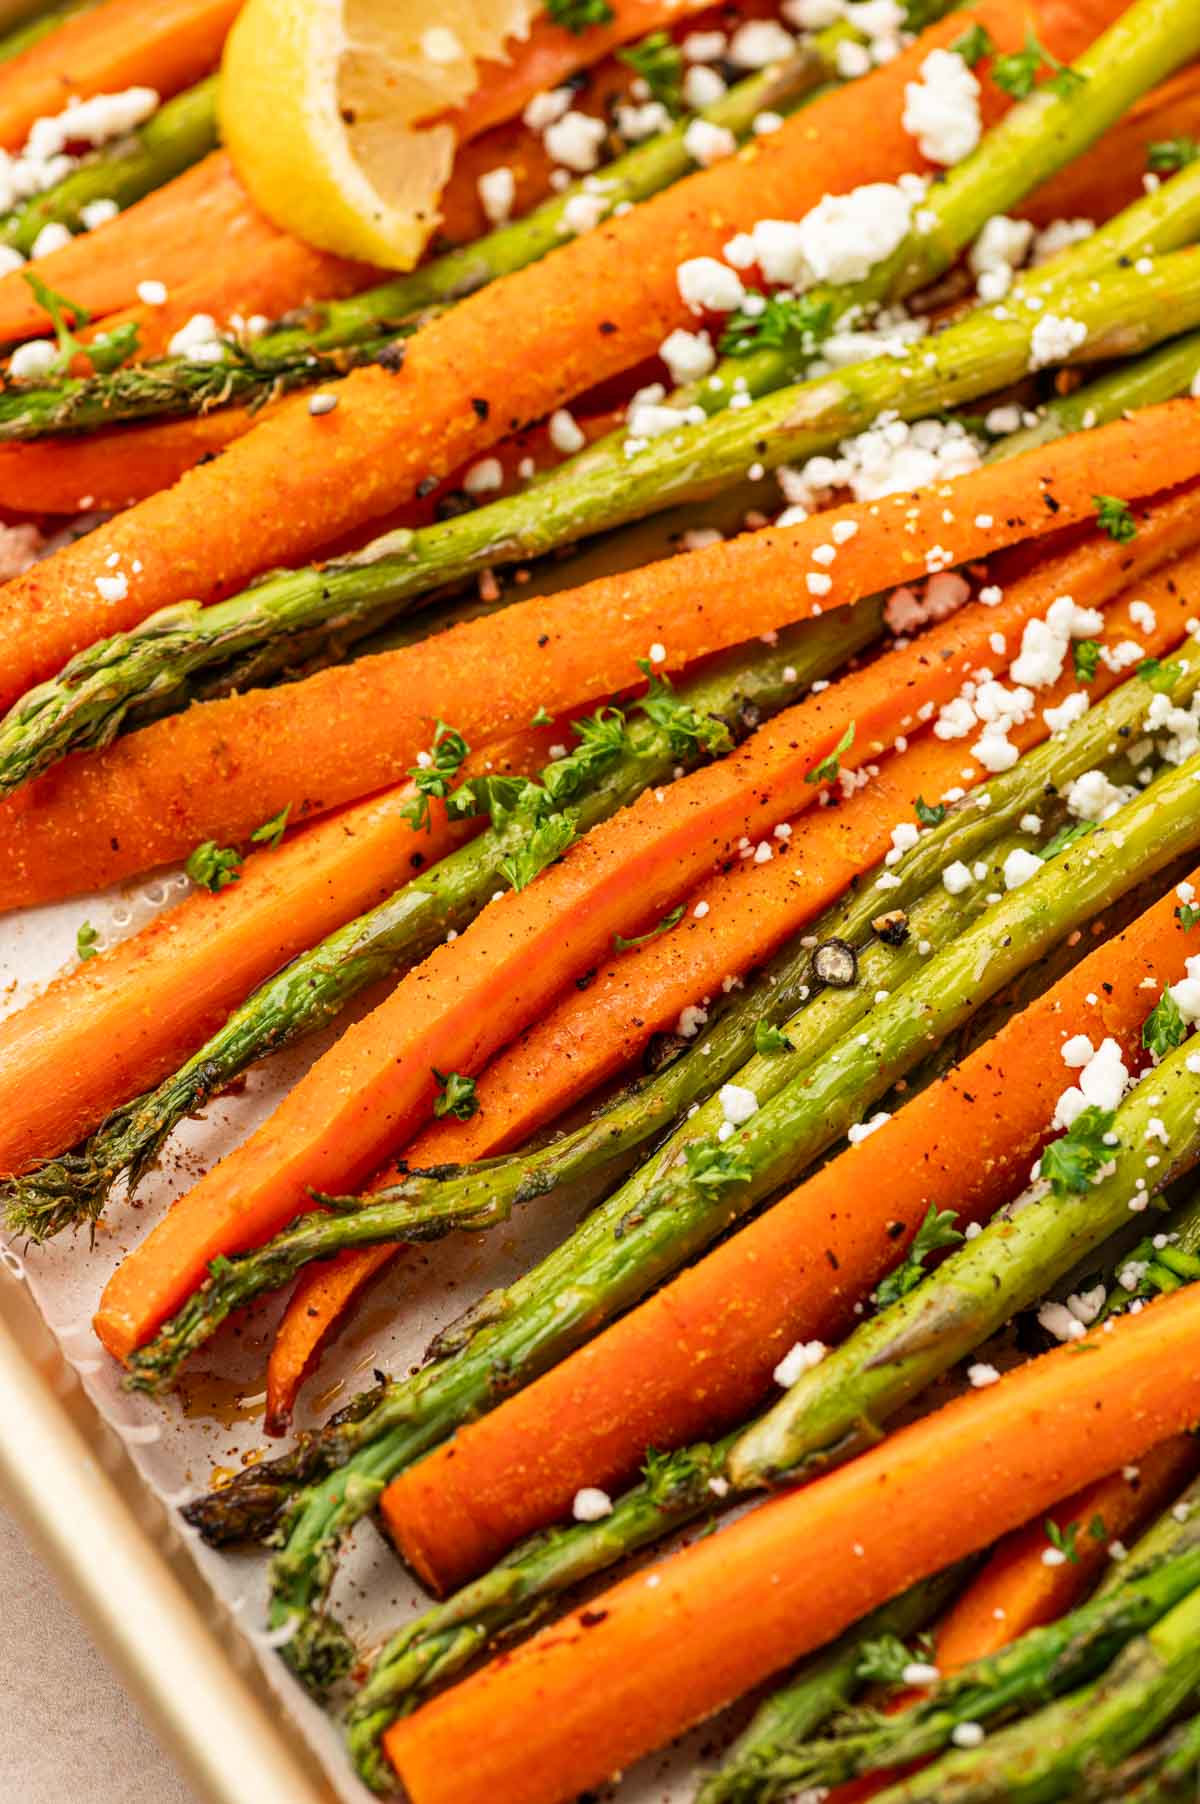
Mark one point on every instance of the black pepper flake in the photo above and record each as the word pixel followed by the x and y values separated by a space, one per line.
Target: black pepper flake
pixel 607 328
pixel 589 1618
pixel 426 487
pixel 543 639
pixel 482 407
pixel 391 357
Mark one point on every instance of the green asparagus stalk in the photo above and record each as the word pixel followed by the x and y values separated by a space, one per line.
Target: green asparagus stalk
pixel 1061 1751
pixel 1142 382
pixel 428 1205
pixel 370 326
pixel 1044 1663
pixel 696 1187
pixel 746 684
pixel 181 132
pixel 1163 1773
pixel 840 1405
pixel 31 31
pixel 1158 1265
pixel 525 1586
pixel 88 703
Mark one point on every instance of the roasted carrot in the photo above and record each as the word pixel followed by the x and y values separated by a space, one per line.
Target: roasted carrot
pixel 649 1657
pixel 111 1028
pixel 592 308
pixel 220 768
pixel 108 470
pixel 118 44
pixel 1017 1590
pixel 1097 186
pixel 591 1035
pixel 697 1357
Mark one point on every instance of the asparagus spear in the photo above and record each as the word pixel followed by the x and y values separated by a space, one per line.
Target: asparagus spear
pixel 1151 1269
pixel 371 326
pixel 522 1588
pixel 1171 370
pixel 1045 1663
pixel 693 1190
pixel 181 132
pixel 842 1403
pixel 428 1205
pixel 1164 1773
pixel 1063 1750
pixel 88 703
pixel 742 686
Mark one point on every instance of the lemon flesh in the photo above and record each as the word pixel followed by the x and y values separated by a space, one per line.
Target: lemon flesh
pixel 320 109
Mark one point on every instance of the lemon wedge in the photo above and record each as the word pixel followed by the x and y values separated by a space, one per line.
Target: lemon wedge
pixel 321 104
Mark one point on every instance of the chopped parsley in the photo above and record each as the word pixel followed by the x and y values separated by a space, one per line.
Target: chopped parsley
pixel 1161 677
pixel 768 1038
pixel 214 867
pixel 782 320
pixel 1166 155
pixel 688 731
pixel 937 1230
pixel 85 942
pixel 547 842
pixel 1097 1528
pixel 456 1095
pixel 1063 1539
pixel 1113 516
pixel 542 718
pixel 434 777
pixel 106 352
pixel 827 770
pixel 659 62
pixel 883 1662
pixel 621 944
pixel 930 816
pixel 1073 1163
pixel 1017 72
pixel 974 45
pixel 577 15
pixel 272 831
pixel 1187 914
pixel 1085 655
pixel 1066 836
pixel 712 1165
pixel 1164 1027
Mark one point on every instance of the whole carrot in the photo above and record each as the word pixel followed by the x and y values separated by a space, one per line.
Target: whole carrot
pixel 657 1653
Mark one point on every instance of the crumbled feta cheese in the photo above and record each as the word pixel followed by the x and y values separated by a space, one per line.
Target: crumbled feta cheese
pixel 113 588
pixel 707 144
pixel 484 476
pixel 759 42
pixel 1103 1081
pixel 565 433
pixel 1019 867
pixel 708 286
pixel 591 1504
pixel 687 355
pixel 497 192
pixel 1055 336
pixel 1057 1320
pixel 737 1103
pixel 701 87
pixel 941 110
pixel 1092 797
pixel 982 1374
pixel 51 238
pixel 33 359
pixel 95 213
pixel 1000 248
pixel 1077 1051
pixel 575 140
pixel 845 235
pixel 797 1360
pixel 862 1130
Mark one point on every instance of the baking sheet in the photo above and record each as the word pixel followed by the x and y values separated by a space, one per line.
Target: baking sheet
pixel 175 1443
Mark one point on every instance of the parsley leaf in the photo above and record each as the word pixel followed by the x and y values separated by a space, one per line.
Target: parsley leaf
pixel 547 842
pixel 974 45
pixel 272 831
pixel 659 62
pixel 1164 1027
pixel 456 1095
pixel 542 718
pixel 621 944
pixel 1063 1539
pixel 712 1165
pixel 602 738
pixel 830 765
pixel 768 1038
pixel 85 942
pixel 109 350
pixel 214 867
pixel 688 731
pixel 1072 1164
pixel 937 1230
pixel 58 307
pixel 1085 655
pixel 433 777
pixel 1097 1528
pixel 930 817
pixel 577 15
pixel 1114 518
pixel 1187 914
pixel 1166 155
pixel 1066 836
pixel 1017 72
pixel 782 320
pixel 883 1662
pixel 1161 677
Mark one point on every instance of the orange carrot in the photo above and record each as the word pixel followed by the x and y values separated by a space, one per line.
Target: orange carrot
pixel 647 1658
pixel 591 1035
pixel 697 1357
pixel 108 470
pixel 1017 1590
pixel 220 768
pixel 1100 185
pixel 111 1028
pixel 118 44
pixel 550 53
pixel 594 307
